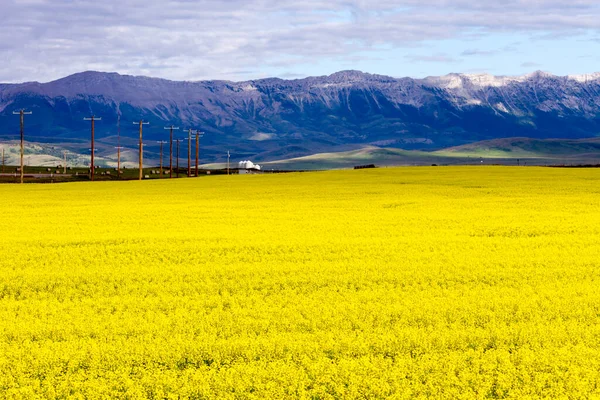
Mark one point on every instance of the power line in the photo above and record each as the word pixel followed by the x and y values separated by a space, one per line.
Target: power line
pixel 22 114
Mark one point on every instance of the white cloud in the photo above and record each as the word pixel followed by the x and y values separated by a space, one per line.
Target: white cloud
pixel 437 58
pixel 238 39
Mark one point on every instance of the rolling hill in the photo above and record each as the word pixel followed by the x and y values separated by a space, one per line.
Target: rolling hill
pixel 510 151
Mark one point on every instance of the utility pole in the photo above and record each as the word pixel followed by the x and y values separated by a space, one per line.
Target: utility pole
pixel 189 172
pixel 22 113
pixel 161 156
pixel 65 162
pixel 228 155
pixel 119 148
pixel 3 160
pixel 178 141
pixel 198 136
pixel 119 145
pixel 92 168
pixel 141 123
pixel 171 128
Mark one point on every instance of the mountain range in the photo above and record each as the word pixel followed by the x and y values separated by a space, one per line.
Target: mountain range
pixel 271 119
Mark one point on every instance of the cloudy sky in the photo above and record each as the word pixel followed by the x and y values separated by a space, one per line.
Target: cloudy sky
pixel 246 39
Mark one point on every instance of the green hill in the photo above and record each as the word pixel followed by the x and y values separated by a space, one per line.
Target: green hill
pixel 509 151
pixel 527 148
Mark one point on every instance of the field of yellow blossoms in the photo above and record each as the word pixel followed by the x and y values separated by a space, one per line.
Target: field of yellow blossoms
pixel 458 282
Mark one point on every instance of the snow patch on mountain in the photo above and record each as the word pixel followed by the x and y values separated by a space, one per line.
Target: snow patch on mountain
pixel 458 81
pixel 584 78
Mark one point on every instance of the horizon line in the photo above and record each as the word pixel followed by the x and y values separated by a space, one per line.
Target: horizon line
pixel 594 75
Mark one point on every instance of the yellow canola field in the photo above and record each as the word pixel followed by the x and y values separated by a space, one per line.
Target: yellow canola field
pixel 457 283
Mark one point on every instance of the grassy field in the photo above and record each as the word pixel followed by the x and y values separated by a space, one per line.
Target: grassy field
pixel 507 151
pixel 458 282
pixel 552 151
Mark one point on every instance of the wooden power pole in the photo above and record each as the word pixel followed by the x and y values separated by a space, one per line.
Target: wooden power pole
pixel 198 136
pixel 177 167
pixel 189 171
pixel 161 142
pixel 119 148
pixel 93 150
pixel 22 114
pixel 141 123
pixel 171 128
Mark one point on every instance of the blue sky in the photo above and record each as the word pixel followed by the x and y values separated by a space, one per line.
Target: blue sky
pixel 239 40
pixel 498 54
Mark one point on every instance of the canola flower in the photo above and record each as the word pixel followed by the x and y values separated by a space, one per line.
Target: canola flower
pixel 461 282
